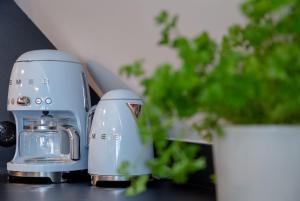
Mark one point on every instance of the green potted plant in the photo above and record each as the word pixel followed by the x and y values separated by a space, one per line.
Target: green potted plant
pixel 246 89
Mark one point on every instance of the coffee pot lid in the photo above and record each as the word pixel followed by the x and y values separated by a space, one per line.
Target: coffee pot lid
pixel 44 123
pixel 120 94
pixel 47 55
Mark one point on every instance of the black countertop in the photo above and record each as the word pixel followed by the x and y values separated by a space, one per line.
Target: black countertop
pixel 83 191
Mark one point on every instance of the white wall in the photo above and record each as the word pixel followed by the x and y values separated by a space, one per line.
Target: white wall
pixel 111 33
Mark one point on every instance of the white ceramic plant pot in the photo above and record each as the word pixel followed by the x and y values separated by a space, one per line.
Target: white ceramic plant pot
pixel 258 163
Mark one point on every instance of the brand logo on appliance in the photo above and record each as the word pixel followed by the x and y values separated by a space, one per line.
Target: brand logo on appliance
pixel 30 81
pixel 104 136
pixel 18 81
pixel 45 81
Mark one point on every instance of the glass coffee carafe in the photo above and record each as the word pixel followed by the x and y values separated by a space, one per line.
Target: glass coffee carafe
pixel 48 140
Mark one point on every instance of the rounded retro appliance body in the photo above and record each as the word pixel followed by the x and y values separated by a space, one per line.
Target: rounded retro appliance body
pixel 114 138
pixel 48 83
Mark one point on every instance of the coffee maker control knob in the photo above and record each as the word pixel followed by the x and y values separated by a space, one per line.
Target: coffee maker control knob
pixel 48 100
pixel 38 101
pixel 23 100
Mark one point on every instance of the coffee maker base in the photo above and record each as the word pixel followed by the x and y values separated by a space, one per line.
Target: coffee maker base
pixel 55 177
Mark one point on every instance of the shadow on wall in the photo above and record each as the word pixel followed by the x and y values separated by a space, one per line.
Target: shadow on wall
pixel 104 78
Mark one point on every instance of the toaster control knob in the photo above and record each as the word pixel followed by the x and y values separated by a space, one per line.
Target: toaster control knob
pixel 23 100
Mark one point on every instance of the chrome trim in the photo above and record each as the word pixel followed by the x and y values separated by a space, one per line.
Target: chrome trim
pixel 135 109
pixel 40 128
pixel 55 177
pixel 42 124
pixel 47 160
pixel 131 99
pixel 19 61
pixel 85 92
pixel 89 120
pixel 96 178
pixel 74 143
pixel 23 100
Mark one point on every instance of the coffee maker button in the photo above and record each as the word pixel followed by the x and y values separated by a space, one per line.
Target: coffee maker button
pixel 38 101
pixel 48 100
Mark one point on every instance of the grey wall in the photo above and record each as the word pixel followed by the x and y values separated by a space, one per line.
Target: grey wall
pixel 17 35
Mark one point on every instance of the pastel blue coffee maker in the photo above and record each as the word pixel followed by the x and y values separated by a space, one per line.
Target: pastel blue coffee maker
pixel 49 98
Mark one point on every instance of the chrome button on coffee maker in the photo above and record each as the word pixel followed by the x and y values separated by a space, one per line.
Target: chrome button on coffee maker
pixel 50 112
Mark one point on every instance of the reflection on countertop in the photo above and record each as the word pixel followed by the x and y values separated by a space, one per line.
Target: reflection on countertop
pixel 83 191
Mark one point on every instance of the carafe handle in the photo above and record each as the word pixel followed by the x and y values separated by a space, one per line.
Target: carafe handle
pixel 74 143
